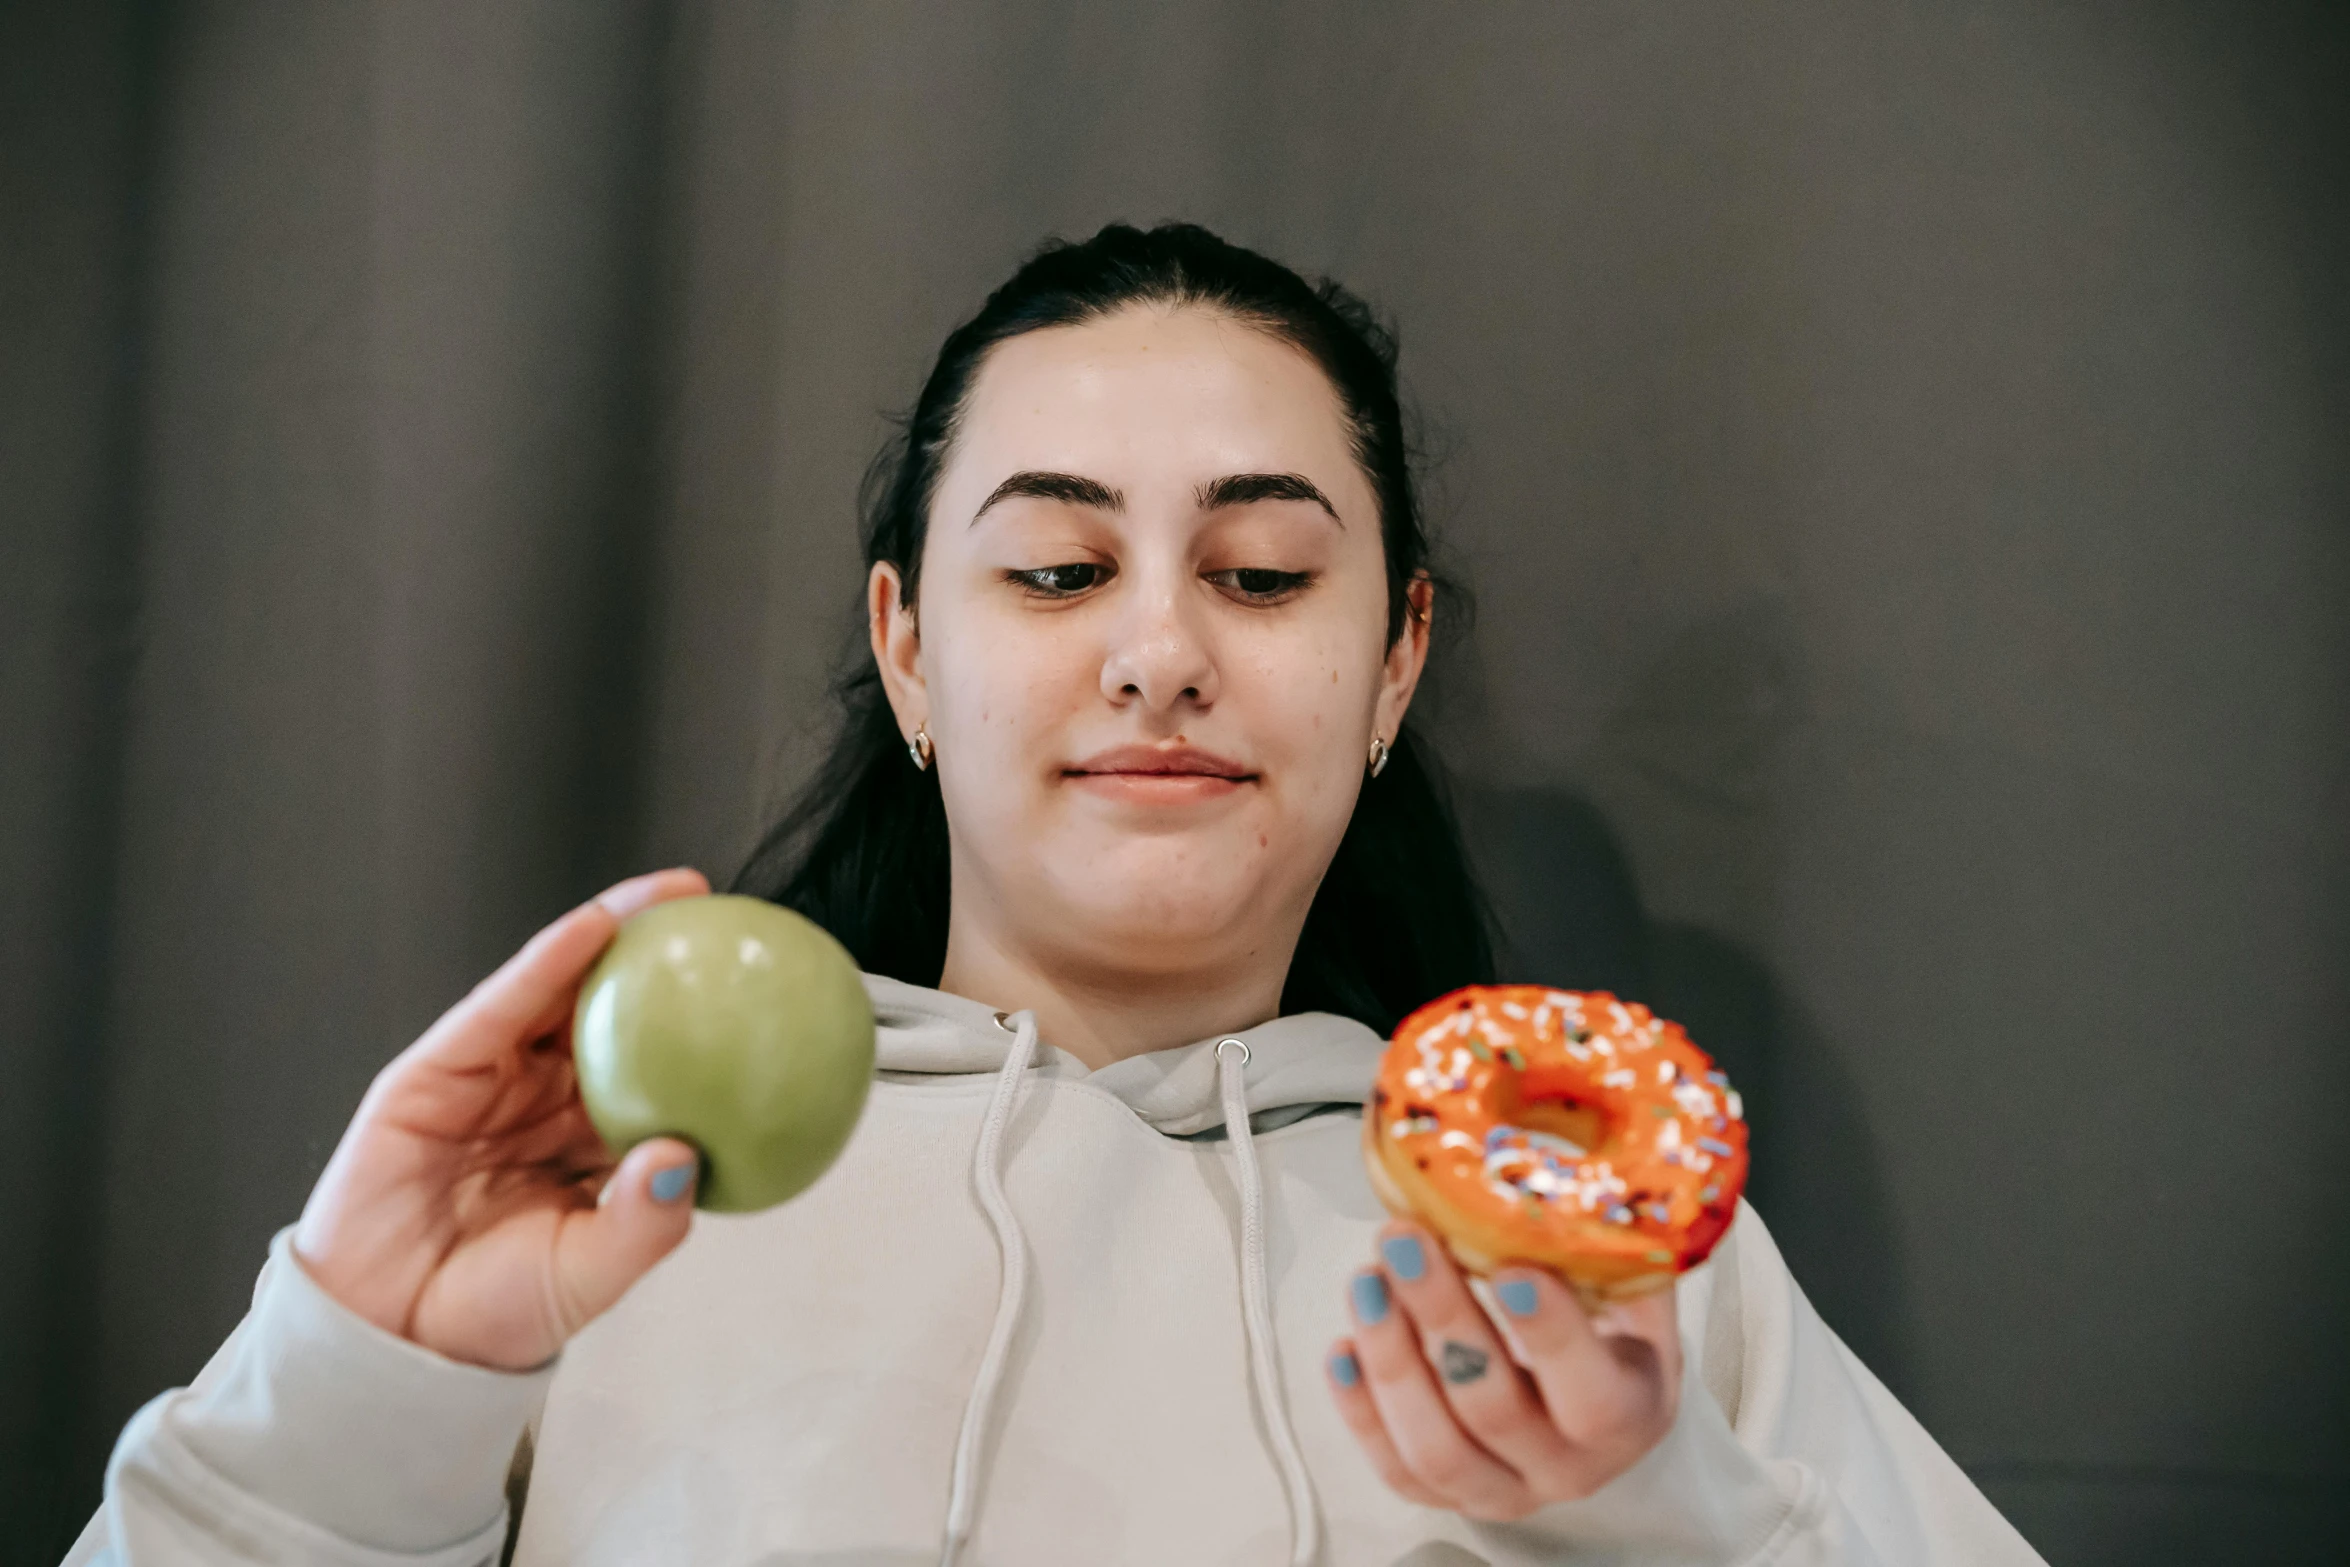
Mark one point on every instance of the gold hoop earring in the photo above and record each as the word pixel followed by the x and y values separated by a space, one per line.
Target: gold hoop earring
pixel 1379 755
pixel 920 748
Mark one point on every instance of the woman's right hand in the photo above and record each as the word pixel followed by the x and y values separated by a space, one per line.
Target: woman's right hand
pixel 470 1206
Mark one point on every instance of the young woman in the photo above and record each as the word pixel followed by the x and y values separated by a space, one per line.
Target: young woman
pixel 1129 828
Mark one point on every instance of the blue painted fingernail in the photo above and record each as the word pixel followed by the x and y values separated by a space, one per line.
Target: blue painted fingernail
pixel 670 1184
pixel 1403 1255
pixel 1343 1369
pixel 1370 1296
pixel 1517 1297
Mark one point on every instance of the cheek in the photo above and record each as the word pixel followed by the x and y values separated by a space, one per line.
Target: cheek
pixel 1003 691
pixel 1312 708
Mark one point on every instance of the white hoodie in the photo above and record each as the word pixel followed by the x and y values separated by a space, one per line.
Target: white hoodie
pixel 805 1386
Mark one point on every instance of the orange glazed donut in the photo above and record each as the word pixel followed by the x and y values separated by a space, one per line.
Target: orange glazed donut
pixel 1566 1129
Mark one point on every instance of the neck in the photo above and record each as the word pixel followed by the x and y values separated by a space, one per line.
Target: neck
pixel 1100 1014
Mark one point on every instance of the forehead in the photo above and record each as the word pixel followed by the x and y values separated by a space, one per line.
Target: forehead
pixel 1150 395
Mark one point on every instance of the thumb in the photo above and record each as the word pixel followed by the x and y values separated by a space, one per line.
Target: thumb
pixel 645 1210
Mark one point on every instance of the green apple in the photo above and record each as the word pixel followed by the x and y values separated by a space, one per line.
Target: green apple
pixel 734 1024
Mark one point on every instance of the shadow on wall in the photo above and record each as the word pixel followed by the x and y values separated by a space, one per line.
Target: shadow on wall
pixel 1570 913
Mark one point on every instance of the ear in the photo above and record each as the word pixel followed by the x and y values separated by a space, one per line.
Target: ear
pixel 897 647
pixel 1406 657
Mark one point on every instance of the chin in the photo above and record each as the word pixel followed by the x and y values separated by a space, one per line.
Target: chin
pixel 1164 905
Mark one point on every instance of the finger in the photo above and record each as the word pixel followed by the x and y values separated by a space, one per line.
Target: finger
pixel 1608 1382
pixel 518 1002
pixel 1644 1335
pixel 639 893
pixel 645 1209
pixel 564 1145
pixel 1345 1372
pixel 1488 1395
pixel 620 900
pixel 1433 1446
pixel 530 992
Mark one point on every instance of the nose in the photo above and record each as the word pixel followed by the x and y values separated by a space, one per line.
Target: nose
pixel 1159 652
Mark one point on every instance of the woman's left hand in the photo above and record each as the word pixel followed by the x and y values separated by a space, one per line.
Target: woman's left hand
pixel 1450 1420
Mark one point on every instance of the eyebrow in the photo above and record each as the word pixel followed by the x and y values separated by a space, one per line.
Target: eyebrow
pixel 1075 489
pixel 1234 489
pixel 1239 489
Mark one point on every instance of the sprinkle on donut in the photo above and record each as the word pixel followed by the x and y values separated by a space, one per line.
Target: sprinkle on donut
pixel 1563 1128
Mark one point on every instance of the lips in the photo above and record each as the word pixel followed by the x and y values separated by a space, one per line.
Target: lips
pixel 1171 763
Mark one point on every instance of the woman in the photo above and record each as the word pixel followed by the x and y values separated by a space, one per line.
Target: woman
pixel 1128 781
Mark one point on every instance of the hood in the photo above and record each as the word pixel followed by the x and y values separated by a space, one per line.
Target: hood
pixel 1296 1065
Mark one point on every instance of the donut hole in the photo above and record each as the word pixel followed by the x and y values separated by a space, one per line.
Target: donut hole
pixel 1579 1123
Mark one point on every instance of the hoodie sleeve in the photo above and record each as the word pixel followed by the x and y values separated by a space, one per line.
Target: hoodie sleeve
pixel 1786 1452
pixel 315 1437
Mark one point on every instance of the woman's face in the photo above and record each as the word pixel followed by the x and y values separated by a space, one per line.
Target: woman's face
pixel 1150 645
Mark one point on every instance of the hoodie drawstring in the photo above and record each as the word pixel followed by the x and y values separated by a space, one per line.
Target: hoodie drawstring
pixel 1256 1309
pixel 1012 1248
pixel 1256 1302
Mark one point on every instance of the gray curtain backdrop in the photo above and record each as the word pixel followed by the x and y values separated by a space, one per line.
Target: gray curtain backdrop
pixel 1899 453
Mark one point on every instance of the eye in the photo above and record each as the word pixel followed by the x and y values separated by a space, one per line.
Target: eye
pixel 1060 582
pixel 1260 584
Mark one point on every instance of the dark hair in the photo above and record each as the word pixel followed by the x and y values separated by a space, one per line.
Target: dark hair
pixel 863 849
